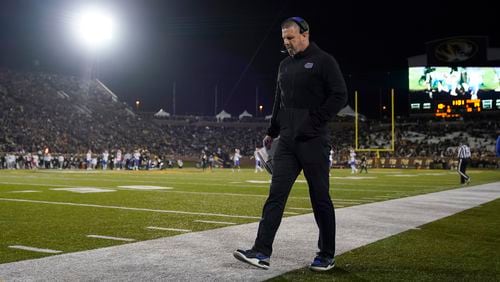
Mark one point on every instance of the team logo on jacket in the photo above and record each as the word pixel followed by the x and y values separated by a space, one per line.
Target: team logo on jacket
pixel 309 65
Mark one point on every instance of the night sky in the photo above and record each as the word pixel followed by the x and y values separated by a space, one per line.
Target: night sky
pixel 234 46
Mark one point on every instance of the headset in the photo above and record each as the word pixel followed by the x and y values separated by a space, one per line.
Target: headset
pixel 303 25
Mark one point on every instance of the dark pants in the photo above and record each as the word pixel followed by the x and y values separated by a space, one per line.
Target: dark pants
pixel 290 158
pixel 462 166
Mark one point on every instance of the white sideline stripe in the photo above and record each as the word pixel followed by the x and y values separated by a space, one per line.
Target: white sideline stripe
pixel 33 249
pixel 127 208
pixel 301 209
pixel 168 229
pixel 292 213
pixel 111 238
pixel 25 191
pixel 215 222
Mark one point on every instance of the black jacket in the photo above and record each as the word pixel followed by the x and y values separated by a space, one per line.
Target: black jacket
pixel 310 90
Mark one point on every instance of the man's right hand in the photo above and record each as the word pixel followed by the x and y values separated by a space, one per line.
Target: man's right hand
pixel 268 140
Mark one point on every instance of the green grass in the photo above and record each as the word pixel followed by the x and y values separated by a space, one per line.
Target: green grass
pixel 61 220
pixel 462 247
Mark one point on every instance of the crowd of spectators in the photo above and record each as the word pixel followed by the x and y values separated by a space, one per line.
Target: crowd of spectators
pixel 67 116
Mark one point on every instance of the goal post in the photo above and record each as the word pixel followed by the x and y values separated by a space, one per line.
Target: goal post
pixel 356 128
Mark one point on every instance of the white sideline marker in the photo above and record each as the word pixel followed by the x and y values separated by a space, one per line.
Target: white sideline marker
pixel 111 238
pixel 291 213
pixel 146 187
pixel 167 229
pixel 215 222
pixel 33 249
pixel 25 191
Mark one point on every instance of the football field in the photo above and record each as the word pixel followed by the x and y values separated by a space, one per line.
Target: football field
pixel 49 212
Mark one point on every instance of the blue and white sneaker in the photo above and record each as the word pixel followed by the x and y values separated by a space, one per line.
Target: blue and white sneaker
pixel 252 257
pixel 322 263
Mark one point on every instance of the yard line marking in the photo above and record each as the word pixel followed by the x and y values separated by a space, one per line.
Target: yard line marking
pixel 301 209
pixel 353 177
pixel 168 229
pixel 215 222
pixel 347 200
pixel 291 213
pixel 346 203
pixel 221 194
pixel 84 190
pixel 263 196
pixel 33 184
pixel 336 188
pixel 373 199
pixel 25 191
pixel 111 238
pixel 145 187
pixel 33 249
pixel 127 208
pixel 259 181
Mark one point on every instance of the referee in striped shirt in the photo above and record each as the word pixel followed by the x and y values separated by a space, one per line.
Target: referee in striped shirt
pixel 463 160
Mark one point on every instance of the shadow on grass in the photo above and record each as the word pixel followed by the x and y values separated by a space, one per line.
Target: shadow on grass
pixel 304 274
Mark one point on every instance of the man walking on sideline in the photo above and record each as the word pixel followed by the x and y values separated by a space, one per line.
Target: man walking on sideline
pixel 463 161
pixel 310 91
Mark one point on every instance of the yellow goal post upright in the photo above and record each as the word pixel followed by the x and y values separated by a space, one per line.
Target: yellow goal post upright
pixel 356 118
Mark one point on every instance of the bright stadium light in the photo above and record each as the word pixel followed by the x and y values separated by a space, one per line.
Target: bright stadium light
pixel 94 28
